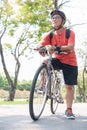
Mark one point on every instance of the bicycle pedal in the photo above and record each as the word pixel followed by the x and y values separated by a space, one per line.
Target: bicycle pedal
pixel 40 92
pixel 60 101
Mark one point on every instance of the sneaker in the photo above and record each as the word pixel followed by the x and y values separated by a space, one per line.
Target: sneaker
pixel 69 114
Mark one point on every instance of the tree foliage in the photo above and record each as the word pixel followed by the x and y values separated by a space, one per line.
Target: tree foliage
pixel 24 14
pixel 32 17
pixel 82 76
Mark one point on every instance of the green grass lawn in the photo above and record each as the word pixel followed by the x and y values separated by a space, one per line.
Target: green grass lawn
pixel 15 102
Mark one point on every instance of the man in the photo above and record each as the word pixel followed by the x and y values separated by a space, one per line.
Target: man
pixel 64 56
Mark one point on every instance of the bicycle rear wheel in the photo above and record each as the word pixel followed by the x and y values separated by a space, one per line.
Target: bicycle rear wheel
pixel 54 106
pixel 37 99
pixel 54 93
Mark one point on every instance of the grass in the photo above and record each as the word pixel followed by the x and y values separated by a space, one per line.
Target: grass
pixel 15 102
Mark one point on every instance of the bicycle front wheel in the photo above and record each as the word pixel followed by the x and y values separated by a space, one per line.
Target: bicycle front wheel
pixel 38 98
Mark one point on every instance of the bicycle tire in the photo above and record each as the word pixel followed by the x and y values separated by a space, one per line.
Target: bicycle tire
pixel 37 100
pixel 54 106
pixel 54 93
pixel 56 90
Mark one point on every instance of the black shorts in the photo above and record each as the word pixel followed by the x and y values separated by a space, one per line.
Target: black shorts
pixel 70 73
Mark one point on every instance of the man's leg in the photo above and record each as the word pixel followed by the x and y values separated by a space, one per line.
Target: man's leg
pixel 69 101
pixel 43 80
pixel 69 95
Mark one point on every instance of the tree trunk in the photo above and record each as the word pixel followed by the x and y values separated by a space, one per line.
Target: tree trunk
pixel 12 93
pixel 84 96
pixel 80 91
pixel 11 83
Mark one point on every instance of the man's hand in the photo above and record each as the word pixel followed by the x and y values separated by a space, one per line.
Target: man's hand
pixel 42 51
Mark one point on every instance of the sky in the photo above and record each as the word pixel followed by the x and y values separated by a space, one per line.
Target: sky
pixel 76 11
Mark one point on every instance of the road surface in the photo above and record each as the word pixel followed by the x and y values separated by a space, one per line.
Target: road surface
pixel 16 117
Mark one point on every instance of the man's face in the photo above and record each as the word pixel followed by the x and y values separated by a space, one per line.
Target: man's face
pixel 56 20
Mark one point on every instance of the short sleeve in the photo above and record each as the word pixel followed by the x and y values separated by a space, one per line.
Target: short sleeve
pixel 46 39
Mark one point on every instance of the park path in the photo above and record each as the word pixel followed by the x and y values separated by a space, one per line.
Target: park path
pixel 16 117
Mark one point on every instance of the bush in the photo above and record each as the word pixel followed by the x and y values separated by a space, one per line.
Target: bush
pixel 3 83
pixel 24 85
pixel 4 94
pixel 21 94
pixel 18 95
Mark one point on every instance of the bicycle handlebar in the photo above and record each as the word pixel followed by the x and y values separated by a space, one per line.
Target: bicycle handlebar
pixel 46 50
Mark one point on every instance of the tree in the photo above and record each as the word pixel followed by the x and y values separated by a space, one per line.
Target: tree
pixel 33 16
pixel 82 78
pixel 10 21
pixel 9 25
pixel 6 12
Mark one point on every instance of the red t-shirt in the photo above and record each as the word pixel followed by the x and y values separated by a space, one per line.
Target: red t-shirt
pixel 60 39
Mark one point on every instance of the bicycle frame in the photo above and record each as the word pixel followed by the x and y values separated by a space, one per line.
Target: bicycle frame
pixel 51 71
pixel 38 100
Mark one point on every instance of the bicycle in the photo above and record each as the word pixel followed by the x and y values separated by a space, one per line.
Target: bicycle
pixel 51 89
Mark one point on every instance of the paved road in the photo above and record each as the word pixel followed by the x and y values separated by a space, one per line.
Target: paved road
pixel 16 117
